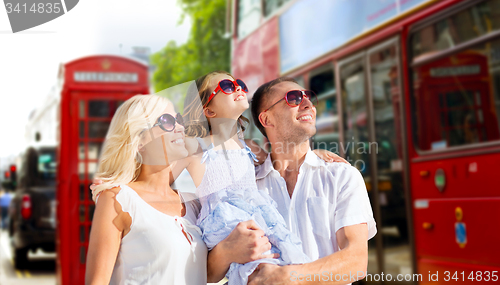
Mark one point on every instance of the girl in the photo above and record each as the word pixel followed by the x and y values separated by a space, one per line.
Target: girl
pixel 223 172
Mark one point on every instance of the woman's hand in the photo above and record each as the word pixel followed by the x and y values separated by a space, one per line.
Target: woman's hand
pixel 329 156
pixel 245 243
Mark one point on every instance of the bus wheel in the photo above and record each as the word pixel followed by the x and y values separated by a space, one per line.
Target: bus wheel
pixel 20 257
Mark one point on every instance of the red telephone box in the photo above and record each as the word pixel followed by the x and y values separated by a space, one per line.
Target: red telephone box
pixel 92 89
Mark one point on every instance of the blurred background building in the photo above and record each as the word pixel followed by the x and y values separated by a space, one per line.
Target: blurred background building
pixel 409 94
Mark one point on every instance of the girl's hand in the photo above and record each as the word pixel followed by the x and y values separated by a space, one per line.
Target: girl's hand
pixel 329 156
pixel 96 182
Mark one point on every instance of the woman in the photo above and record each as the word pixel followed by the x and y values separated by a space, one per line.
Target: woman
pixel 141 232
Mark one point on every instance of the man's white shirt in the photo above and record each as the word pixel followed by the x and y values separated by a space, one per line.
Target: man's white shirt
pixel 326 198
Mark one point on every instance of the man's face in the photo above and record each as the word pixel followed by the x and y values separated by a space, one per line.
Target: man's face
pixel 290 124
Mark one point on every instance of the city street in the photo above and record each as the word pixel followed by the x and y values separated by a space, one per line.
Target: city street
pixel 40 271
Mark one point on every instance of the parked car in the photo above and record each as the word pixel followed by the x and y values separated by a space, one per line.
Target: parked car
pixel 32 214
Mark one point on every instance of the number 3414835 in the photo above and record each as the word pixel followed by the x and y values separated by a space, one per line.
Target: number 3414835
pixel 472 276
pixel 39 8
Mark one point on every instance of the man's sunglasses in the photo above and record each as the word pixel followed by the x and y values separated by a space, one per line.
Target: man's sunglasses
pixel 167 122
pixel 295 97
pixel 227 87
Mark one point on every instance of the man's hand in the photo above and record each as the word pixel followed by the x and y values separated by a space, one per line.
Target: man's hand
pixel 269 274
pixel 246 243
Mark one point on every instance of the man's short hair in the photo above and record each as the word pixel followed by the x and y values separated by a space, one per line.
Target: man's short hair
pixel 259 99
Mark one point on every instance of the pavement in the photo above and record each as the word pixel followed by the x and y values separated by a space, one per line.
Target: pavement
pixel 40 271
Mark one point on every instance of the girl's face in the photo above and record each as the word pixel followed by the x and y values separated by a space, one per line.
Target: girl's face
pixel 227 106
pixel 159 147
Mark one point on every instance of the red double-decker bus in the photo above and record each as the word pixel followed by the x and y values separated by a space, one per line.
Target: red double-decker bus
pixel 91 89
pixel 409 93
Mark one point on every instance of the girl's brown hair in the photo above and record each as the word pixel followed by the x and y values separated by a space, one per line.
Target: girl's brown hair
pixel 196 123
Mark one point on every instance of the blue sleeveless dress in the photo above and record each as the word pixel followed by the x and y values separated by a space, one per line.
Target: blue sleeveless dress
pixel 228 195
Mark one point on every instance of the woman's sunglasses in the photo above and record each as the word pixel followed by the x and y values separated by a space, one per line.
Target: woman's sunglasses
pixel 227 87
pixel 295 97
pixel 167 122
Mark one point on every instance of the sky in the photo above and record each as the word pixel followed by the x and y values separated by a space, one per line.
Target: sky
pixel 29 60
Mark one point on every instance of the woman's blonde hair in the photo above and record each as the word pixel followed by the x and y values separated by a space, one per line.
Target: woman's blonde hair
pixel 120 161
pixel 196 123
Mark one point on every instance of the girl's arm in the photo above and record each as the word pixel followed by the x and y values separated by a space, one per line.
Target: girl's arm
pixel 329 156
pixel 108 227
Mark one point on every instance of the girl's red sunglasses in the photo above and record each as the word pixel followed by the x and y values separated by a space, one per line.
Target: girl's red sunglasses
pixel 227 87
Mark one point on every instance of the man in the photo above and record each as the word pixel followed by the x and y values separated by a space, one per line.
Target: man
pixel 326 205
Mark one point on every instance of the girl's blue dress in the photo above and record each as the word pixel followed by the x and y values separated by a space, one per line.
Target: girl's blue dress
pixel 228 195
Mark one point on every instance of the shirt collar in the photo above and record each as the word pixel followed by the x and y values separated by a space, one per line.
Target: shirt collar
pixel 312 159
pixel 264 169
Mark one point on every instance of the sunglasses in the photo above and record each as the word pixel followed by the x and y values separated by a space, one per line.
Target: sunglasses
pixel 227 87
pixel 295 97
pixel 167 122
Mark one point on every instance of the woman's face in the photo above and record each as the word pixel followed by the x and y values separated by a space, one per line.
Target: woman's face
pixel 227 106
pixel 159 147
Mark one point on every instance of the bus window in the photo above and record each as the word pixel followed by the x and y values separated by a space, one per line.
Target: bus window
pixel 457 100
pixel 327 134
pixel 461 27
pixel 356 137
pixel 270 6
pixel 323 82
pixel 249 16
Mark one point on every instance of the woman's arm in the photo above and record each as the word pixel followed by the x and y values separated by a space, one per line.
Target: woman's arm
pixel 110 223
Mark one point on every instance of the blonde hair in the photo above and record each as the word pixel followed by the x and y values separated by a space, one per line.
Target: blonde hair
pixel 196 123
pixel 120 161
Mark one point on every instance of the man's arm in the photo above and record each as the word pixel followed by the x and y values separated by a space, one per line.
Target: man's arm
pixel 347 265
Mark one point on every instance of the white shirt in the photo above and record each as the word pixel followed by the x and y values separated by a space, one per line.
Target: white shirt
pixel 156 250
pixel 326 198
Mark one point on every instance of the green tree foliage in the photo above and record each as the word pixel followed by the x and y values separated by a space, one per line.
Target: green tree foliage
pixel 206 49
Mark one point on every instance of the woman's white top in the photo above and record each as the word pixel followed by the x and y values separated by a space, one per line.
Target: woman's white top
pixel 155 250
